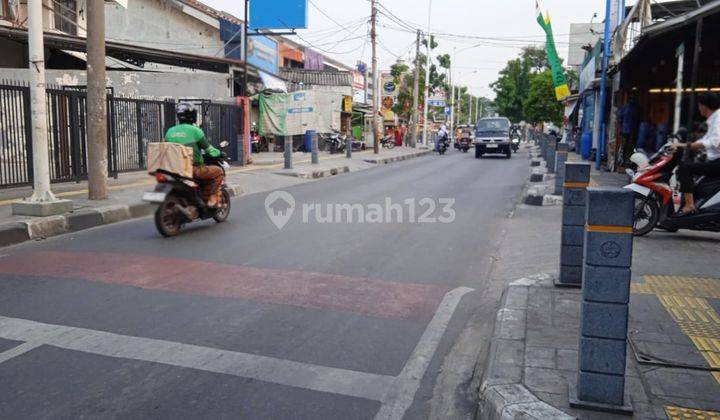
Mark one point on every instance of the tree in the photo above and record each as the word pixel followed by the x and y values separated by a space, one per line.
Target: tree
pixel 541 105
pixel 519 77
pixel 511 89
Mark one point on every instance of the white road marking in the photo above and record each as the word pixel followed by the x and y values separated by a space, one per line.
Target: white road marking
pixel 18 350
pixel 402 393
pixel 395 393
pixel 262 368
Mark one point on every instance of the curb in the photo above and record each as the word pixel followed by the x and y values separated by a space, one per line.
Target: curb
pixel 345 169
pixel 502 393
pixel 45 227
pixel 398 158
pixel 318 174
pixel 538 196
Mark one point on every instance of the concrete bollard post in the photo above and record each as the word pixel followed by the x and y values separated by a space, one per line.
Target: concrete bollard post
pixel 314 148
pixel 577 179
pixel 287 152
pixel 606 295
pixel 551 144
pixel 348 147
pixel 561 156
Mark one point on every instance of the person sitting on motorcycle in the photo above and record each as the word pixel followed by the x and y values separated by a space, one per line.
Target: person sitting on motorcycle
pixel 190 135
pixel 442 136
pixel 709 104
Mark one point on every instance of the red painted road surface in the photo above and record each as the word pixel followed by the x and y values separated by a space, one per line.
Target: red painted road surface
pixel 310 290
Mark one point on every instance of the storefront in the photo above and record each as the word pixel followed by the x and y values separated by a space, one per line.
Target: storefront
pixel 661 77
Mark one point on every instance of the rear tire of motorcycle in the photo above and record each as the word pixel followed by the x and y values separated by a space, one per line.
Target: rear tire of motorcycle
pixel 390 145
pixel 166 220
pixel 222 214
pixel 652 218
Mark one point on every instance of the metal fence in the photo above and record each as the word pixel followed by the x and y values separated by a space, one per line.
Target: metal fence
pixel 132 124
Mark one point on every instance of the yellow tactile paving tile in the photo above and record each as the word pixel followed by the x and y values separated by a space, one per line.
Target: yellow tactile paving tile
pixel 680 286
pixel 686 300
pixel 680 413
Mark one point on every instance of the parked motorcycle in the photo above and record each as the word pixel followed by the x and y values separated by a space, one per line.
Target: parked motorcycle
pixel 180 199
pixel 388 141
pixel 334 142
pixel 655 199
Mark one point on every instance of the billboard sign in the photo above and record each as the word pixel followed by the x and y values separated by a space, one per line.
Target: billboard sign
pixel 389 96
pixel 263 53
pixel 358 80
pixel 278 14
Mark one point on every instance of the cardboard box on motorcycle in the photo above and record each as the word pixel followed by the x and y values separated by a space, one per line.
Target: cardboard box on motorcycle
pixel 171 157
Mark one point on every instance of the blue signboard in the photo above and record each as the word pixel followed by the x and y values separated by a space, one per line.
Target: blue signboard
pixel 263 53
pixel 436 102
pixel 278 14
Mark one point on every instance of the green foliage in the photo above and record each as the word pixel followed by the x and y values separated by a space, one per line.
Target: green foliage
pixel 521 92
pixel 541 104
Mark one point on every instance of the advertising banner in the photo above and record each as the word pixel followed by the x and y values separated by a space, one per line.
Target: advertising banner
pixel 291 114
pixel 389 93
pixel 263 53
pixel 279 14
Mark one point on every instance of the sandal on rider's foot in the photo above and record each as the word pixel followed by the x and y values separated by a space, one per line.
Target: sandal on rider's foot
pixel 682 213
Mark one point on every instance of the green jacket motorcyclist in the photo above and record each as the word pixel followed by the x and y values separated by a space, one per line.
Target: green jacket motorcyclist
pixel 190 135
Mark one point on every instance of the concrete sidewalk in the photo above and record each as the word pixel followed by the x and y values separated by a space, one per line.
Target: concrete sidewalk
pixel 673 360
pixel 126 191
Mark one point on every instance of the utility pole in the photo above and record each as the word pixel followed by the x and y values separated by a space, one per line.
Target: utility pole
pixel 42 202
pixel 245 48
pixel 427 76
pixel 416 93
pixel 452 97
pixel 96 102
pixel 376 91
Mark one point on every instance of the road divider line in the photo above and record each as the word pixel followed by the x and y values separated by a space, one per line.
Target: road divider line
pixel 268 369
pixel 405 386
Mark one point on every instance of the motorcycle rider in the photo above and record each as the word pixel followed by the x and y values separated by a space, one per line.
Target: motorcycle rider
pixel 708 103
pixel 442 136
pixel 189 134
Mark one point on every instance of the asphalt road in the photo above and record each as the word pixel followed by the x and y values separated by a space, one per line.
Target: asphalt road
pixel 245 320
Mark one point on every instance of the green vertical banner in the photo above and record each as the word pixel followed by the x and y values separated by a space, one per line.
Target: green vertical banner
pixel 562 90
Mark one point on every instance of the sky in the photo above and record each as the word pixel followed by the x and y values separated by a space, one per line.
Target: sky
pixel 491 32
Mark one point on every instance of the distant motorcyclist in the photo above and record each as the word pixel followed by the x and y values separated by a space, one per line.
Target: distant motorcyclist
pixel 443 135
pixel 709 103
pixel 190 135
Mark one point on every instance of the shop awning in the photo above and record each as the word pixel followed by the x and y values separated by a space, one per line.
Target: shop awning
pixel 133 54
pixel 682 20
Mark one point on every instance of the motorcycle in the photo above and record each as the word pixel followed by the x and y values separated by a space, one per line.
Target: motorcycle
pixel 442 146
pixel 388 141
pixel 334 142
pixel 515 144
pixel 180 199
pixel 655 200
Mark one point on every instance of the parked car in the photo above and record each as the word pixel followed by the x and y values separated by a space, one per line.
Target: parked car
pixel 492 135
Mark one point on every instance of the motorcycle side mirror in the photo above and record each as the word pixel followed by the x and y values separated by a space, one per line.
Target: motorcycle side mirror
pixel 224 143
